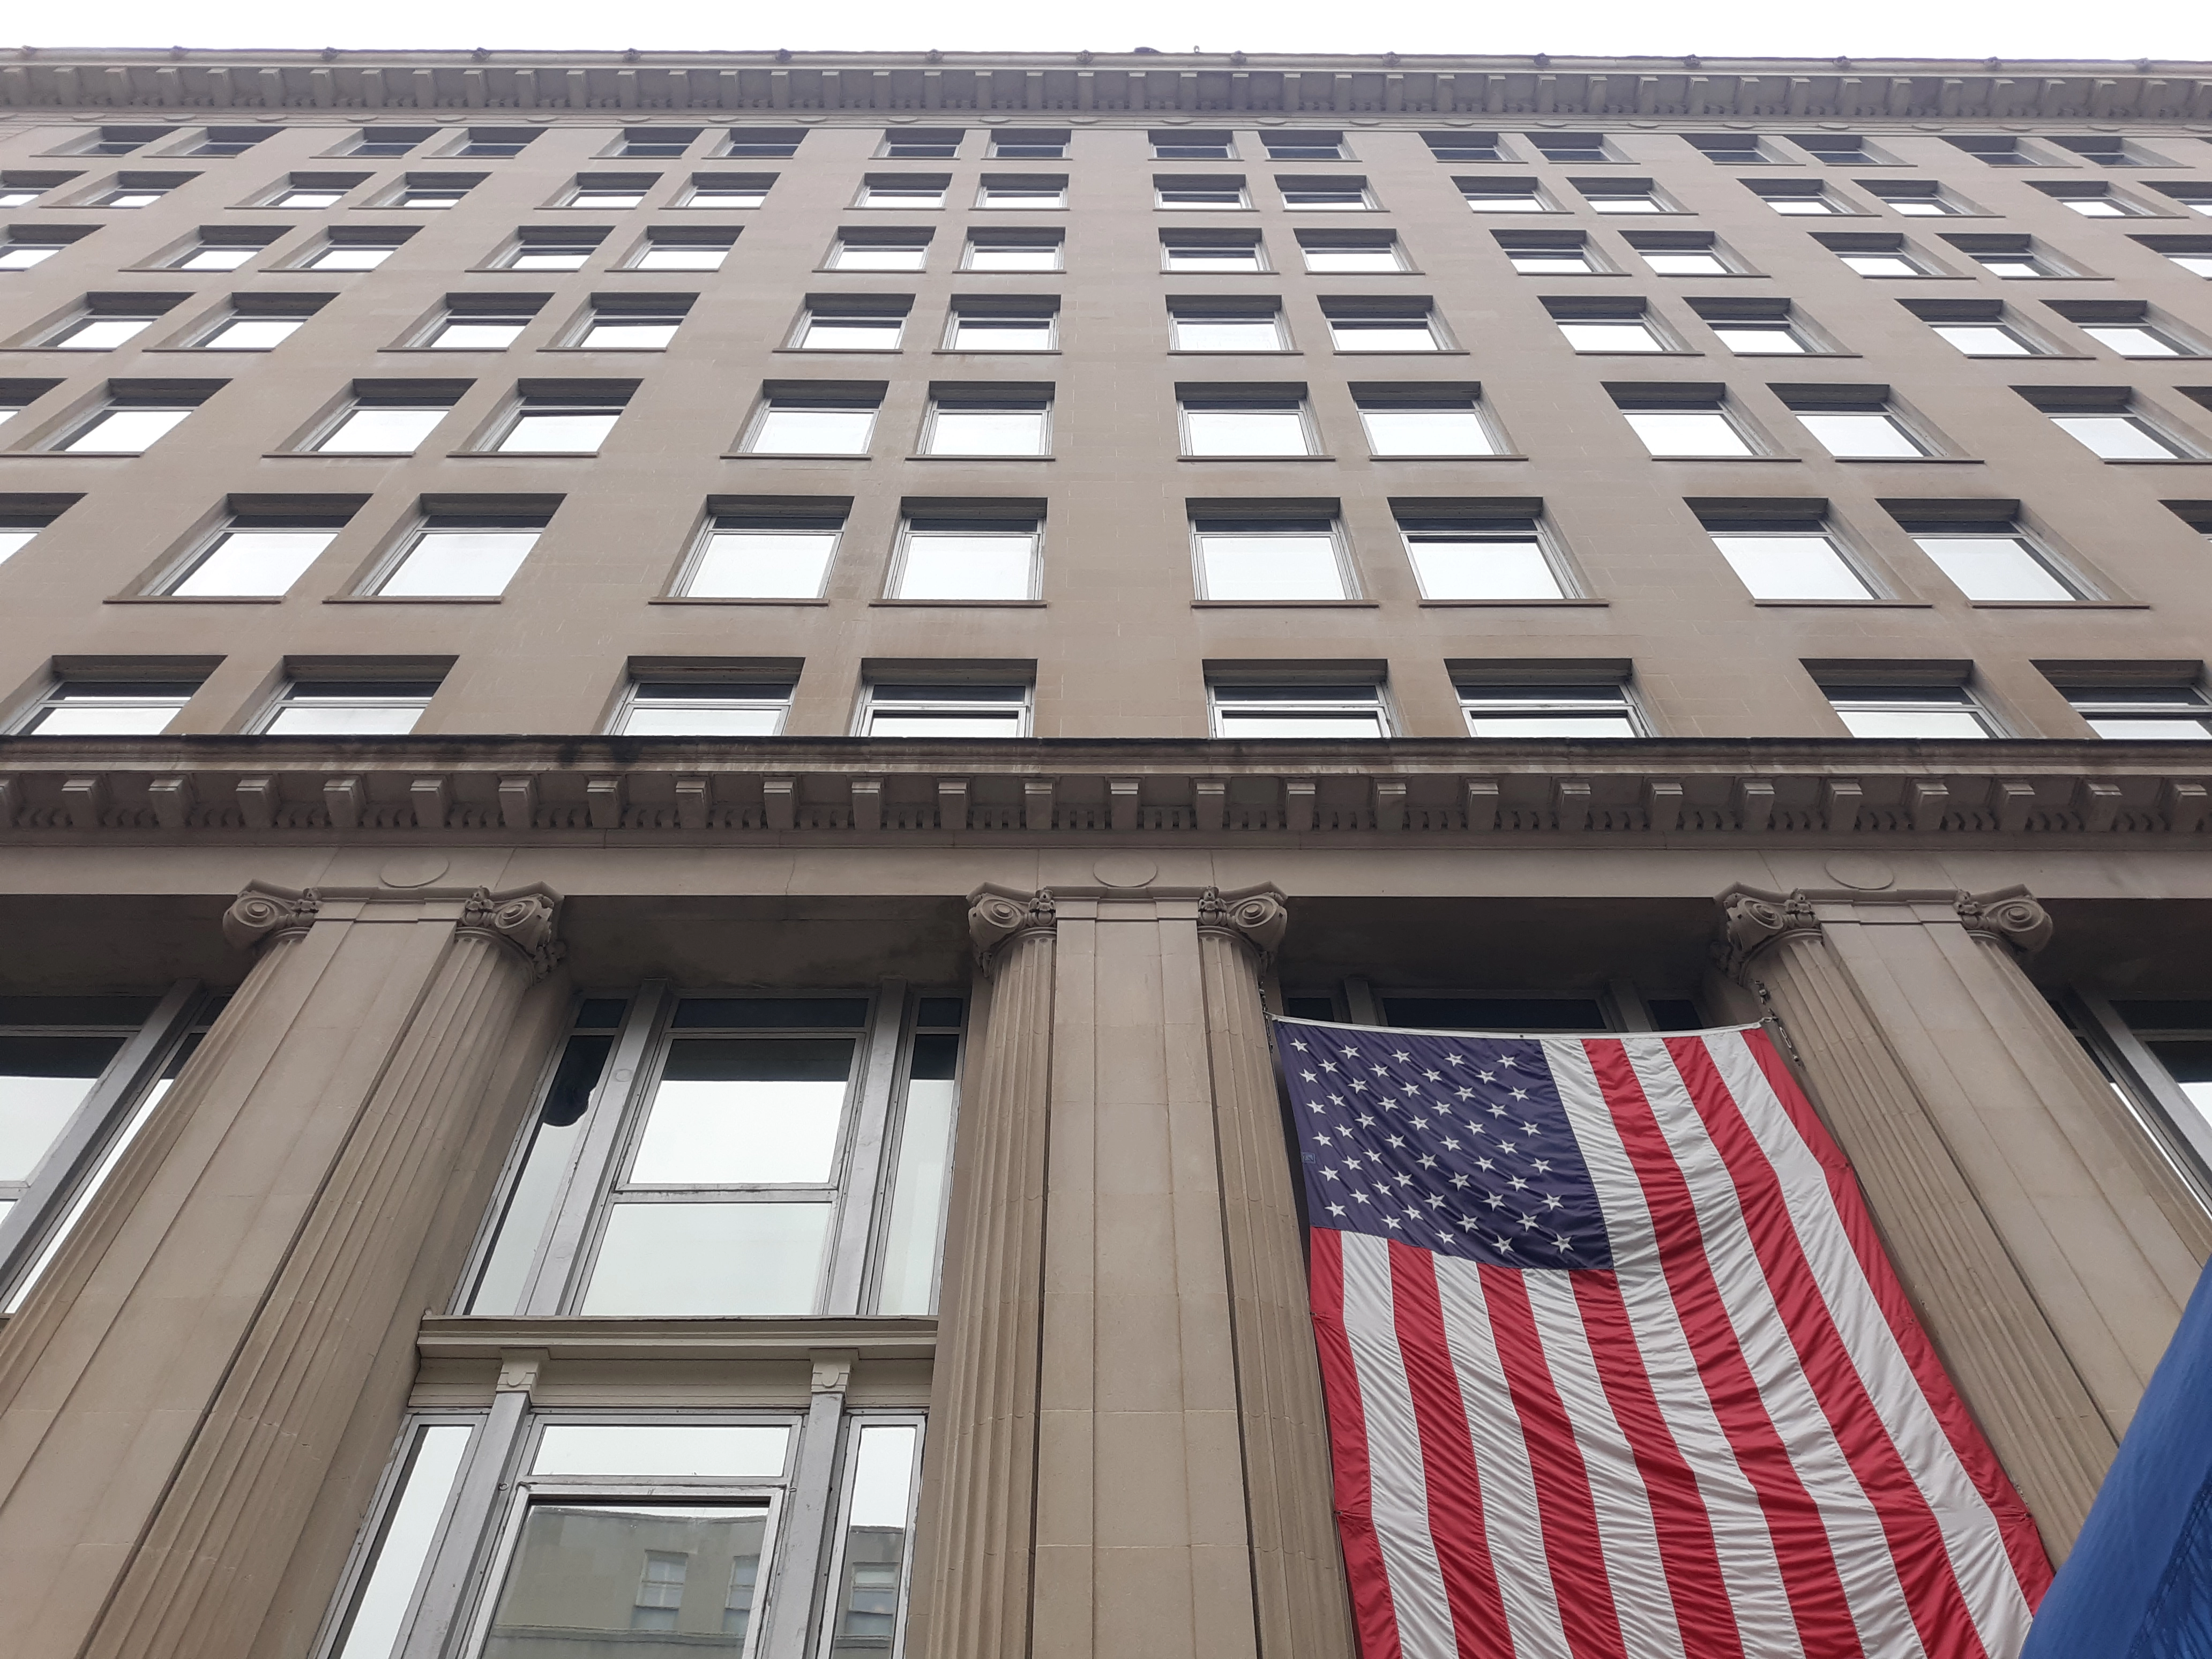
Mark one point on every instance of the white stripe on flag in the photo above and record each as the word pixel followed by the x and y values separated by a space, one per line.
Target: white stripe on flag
pixel 1510 1520
pixel 1856 1538
pixel 1399 1489
pixel 1972 1538
pixel 1625 1531
pixel 1742 1540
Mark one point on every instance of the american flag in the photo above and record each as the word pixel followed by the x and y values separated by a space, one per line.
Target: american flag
pixel 1616 1367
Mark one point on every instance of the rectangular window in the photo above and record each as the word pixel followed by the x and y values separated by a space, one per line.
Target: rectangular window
pixel 1351 252
pixel 1029 144
pixel 388 418
pixel 1505 196
pixel 1623 195
pixel 1305 144
pixel 1173 145
pixel 19 190
pixel 1758 328
pixel 131 420
pixel 764 141
pixel 1909 711
pixel 108 708
pixel 217 248
pixel 354 250
pixel 2021 260
pixel 1549 711
pixel 2108 152
pixel 108 320
pixel 726 190
pixel 560 423
pixel 1855 423
pixel 1840 150
pixel 1682 253
pixel 258 322
pixel 312 192
pixel 874 1544
pixel 904 249
pixel 120 140
pixel 1012 250
pixel 1787 557
pixel 947 710
pixel 1688 430
pixel 1979 328
pixel 609 192
pixel 1241 423
pixel 669 247
pixel 142 190
pixel 451 556
pixel 1427 421
pixel 2156 713
pixel 389 141
pixel 430 1469
pixel 908 190
pixel 1263 558
pixel 1248 325
pixel 922 1164
pixel 1572 147
pixel 814 423
pixel 26 246
pixel 494 141
pixel 552 247
pixel 481 322
pixel 23 517
pixel 349 709
pixel 1619 325
pixel 1878 262
pixel 2119 436
pixel 1184 190
pixel 257 554
pixel 432 192
pixel 1463 146
pixel 763 553
pixel 921 143
pixel 701 706
pixel 1006 421
pixel 981 324
pixel 1917 199
pixel 1358 324
pixel 1502 557
pixel 625 322
pixel 1734 150
pixel 1987 559
pixel 834 323
pixel 1323 710
pixel 1044 190
pixel 657 142
pixel 1231 250
pixel 1551 253
pixel 1343 193
pixel 2130 328
pixel 949 558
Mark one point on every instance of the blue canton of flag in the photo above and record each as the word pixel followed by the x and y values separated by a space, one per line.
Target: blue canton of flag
pixel 1451 1143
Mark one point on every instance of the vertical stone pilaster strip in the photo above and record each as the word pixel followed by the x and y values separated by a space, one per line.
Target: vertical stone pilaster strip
pixel 1993 1336
pixel 1302 1609
pixel 973 1570
pixel 202 1577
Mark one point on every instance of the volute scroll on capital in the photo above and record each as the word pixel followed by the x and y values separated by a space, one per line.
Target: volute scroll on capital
pixel 2010 915
pixel 1257 915
pixel 525 920
pixel 1751 921
pixel 997 914
pixel 262 912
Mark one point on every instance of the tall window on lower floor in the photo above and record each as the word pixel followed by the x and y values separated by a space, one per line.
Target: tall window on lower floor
pixel 874 1547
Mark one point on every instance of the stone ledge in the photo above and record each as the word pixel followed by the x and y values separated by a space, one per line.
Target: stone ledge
pixel 471 1337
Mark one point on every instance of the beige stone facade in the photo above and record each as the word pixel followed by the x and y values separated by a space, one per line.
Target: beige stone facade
pixel 641 901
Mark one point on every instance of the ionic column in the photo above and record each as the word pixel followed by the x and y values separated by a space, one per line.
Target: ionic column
pixel 174 1390
pixel 1297 1570
pixel 973 1568
pixel 2048 1251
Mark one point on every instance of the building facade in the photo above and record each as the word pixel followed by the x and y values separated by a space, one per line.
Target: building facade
pixel 671 721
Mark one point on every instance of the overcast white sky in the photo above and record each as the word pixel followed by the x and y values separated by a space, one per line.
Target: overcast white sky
pixel 2166 29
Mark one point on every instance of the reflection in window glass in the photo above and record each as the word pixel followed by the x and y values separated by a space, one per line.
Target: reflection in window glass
pixel 43 1080
pixel 871 1573
pixel 1909 711
pixel 675 1260
pixel 1299 711
pixel 537 1185
pixel 373 1632
pixel 1548 711
pixel 920 1179
pixel 586 1574
pixel 739 1111
pixel 689 1451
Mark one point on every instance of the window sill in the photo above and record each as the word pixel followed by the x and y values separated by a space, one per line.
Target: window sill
pixel 2057 277
pixel 626 351
pixel 1176 351
pixel 2158 461
pixel 1455 460
pixel 194 599
pixel 415 599
pixel 1731 461
pixel 966 605
pixel 955 351
pixel 338 455
pixel 215 351
pixel 2059 605
pixel 2031 357
pixel 980 458
pixel 1285 604
pixel 442 351
pixel 685 598
pixel 1909 460
pixel 835 271
pixel 1658 353
pixel 1714 276
pixel 1240 461
pixel 809 455
pixel 1437 351
pixel 1844 604
pixel 1493 604
pixel 521 454
pixel 837 351
pixel 1784 356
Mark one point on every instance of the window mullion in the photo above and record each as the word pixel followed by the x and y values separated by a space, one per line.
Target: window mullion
pixel 442 1592
pixel 798 1571
pixel 133 1070
pixel 2184 1120
pixel 863 1183
pixel 572 1218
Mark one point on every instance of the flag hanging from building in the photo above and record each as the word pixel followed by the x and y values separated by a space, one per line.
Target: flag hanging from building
pixel 1615 1364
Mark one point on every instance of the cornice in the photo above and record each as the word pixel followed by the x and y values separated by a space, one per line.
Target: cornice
pixel 988 86
pixel 855 791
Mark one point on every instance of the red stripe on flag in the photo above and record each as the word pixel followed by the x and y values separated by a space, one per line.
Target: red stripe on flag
pixel 1916 1548
pixel 1809 1575
pixel 1565 1504
pixel 1370 1577
pixel 1454 1485
pixel 1686 1550
pixel 2023 1544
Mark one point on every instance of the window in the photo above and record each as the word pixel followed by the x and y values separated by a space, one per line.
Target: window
pixel 140 190
pixel 1322 710
pixel 1344 193
pixel 609 190
pixel 459 555
pixel 218 248
pixel 1212 251
pixel 1245 557
pixel 19 189
pixel 1840 150
pixel 1786 556
pixel 944 556
pixel 977 420
pixel 229 141
pixel 1305 144
pixel 1758 328
pixel 311 191
pixel 132 417
pixel 907 189
pixel 2096 200
pixel 1878 256
pixel 1551 252
pixel 2139 340
pixel 977 323
pixel 387 418
pixel 1682 253
pixel 1351 252
pixel 1029 144
pixel 806 420
pixel 1918 199
pixel 544 247
pixel 355 250
pixel 1012 250
pixel 872 1548
pixel 904 249
pixel 349 709
pixel 1425 420
pixel 2118 434
pixel 563 422
pixel 1189 191
pixel 2160 713
pixel 481 322
pixel 433 192
pixel 2196 199
pixel 1463 146
pixel 1617 325
pixel 108 320
pixel 1192 146
pixel 2192 253
pixel 120 140
pixel 1979 329
pixel 1545 710
pixel 1801 197
pixel 2112 152
pixel 764 141
pixel 1623 195
pixel 774 551
pixel 947 710
pixel 700 707
pixel 91 707
pixel 1226 325
pixel 1258 422
pixel 1572 147
pixel 656 141
pixel 631 322
pixel 258 322
pixel 1734 150
pixel 259 551
pixel 1498 555
pixel 389 141
pixel 1505 196
pixel 1856 423
pixel 1990 559
pixel 675 247
pixel 1361 324
pixel 726 190
pixel 2002 152
pixel 494 141
pixel 23 517
pixel 1909 711
pixel 1022 190
pixel 1692 425
pixel 831 323
pixel 2006 256
pixel 921 143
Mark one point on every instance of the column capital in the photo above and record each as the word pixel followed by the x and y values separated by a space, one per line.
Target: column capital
pixel 524 918
pixel 2010 915
pixel 1751 920
pixel 262 912
pixel 1256 915
pixel 997 914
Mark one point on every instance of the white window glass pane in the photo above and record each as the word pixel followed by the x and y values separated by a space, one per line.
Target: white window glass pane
pixel 1483 569
pixel 918 1189
pixel 98 719
pixel 1227 334
pixel 2095 207
pixel 1213 259
pixel 1247 432
pixel 338 720
pixel 1920 207
pixel 2133 341
pixel 726 198
pixel 1624 204
pixel 883 1478
pixel 674 258
pixel 1352 259
pixel 87 1191
pixel 871 1570
pixel 1402 431
pixel 548 260
pixel 568 434
pixel 1746 341
pixel 103 333
pixel 1286 567
pixel 865 255
pixel 1993 568
pixel 1860 436
pixel 622 334
pixel 1258 723
pixel 460 563
pixel 1800 204
pixel 488 336
pixel 1383 336
pixel 1913 723
pixel 1506 203
pixel 1686 264
pixel 1880 264
pixel 1610 337
pixel 1552 264
pixel 853 333
pixel 22 257
pixel 13 542
pixel 595 1578
pixel 310 199
pixel 2201 263
pixel 1686 433
pixel 1026 257
pixel 350 257
pixel 2114 726
pixel 606 198
pixel 374 1631
pixel 560 1125
pixel 254 563
pixel 374 431
pixel 678 1260
pixel 1001 333
pixel 763 565
pixel 2012 267
pixel 999 197
pixel 944 566
pixel 43 1081
pixel 14 198
pixel 702 719
pixel 216 258
pixel 251 334
pixel 1983 340
pixel 723 1451
pixel 124 431
pixel 2115 437
pixel 730 1112
pixel 988 432
pixel 802 431
pixel 1791 567
pixel 1495 724
pixel 134 198
pixel 922 723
